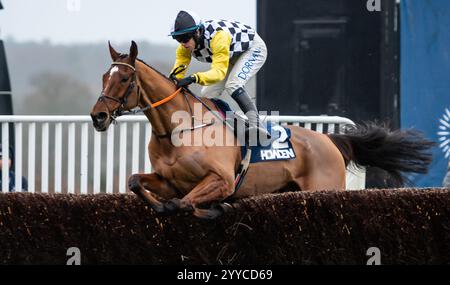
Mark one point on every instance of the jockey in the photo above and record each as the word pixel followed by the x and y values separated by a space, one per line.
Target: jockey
pixel 235 51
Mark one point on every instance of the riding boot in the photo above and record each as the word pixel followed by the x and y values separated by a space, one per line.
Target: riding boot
pixel 248 107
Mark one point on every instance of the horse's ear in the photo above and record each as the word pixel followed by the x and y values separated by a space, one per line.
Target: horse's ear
pixel 114 54
pixel 133 52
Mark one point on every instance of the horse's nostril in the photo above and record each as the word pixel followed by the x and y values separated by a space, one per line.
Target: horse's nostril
pixel 101 117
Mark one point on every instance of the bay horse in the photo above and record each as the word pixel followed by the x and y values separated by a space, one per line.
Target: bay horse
pixel 197 178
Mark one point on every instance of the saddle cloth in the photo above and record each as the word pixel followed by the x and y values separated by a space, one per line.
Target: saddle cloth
pixel 280 148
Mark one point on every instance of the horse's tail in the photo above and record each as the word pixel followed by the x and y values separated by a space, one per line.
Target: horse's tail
pixel 397 151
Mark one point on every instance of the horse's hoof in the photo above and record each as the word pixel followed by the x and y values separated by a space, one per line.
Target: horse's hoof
pixel 160 209
pixel 172 206
pixel 133 183
pixel 225 207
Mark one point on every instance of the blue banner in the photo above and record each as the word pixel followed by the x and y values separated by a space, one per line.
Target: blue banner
pixel 425 79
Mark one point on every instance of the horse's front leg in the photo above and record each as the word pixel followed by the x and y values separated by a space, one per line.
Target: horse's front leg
pixel 153 189
pixel 213 188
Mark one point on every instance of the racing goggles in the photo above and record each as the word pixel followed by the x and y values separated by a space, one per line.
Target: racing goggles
pixel 184 38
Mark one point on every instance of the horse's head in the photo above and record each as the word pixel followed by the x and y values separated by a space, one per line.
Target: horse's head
pixel 120 91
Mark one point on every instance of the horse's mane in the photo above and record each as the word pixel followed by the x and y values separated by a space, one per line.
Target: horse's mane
pixel 124 55
pixel 157 71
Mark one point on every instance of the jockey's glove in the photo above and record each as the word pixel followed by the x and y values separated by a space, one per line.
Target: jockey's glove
pixel 187 81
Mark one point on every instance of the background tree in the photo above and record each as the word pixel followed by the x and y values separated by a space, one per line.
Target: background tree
pixel 56 94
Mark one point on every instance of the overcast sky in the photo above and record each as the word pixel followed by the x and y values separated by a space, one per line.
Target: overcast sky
pixel 84 21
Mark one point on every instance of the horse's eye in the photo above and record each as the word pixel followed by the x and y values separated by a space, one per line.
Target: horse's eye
pixel 124 80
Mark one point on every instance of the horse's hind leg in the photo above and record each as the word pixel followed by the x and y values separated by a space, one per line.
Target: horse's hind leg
pixel 152 188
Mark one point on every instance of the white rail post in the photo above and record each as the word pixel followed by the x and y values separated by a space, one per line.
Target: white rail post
pixel 123 158
pixel 5 157
pixel 97 161
pixel 331 128
pixel 319 128
pixel 84 158
pixel 58 158
pixel 71 160
pixel 31 157
pixel 110 160
pixel 148 137
pixel 44 158
pixel 135 158
pixel 18 156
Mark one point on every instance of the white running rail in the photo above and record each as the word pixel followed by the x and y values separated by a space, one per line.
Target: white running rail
pixel 74 158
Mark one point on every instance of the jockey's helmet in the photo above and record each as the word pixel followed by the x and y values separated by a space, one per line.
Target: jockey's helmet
pixel 185 25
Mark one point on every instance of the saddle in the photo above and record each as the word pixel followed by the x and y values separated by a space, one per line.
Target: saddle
pixel 239 124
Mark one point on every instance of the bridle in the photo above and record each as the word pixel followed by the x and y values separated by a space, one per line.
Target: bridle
pixel 124 99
